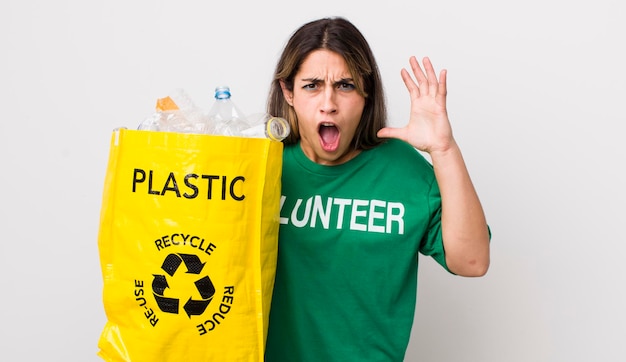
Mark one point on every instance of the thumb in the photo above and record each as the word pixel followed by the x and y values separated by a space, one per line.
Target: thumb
pixel 390 132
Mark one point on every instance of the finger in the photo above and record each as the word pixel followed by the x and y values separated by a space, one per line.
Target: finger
pixel 443 87
pixel 390 132
pixel 433 84
pixel 409 83
pixel 422 81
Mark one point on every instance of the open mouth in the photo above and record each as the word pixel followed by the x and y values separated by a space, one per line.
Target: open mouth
pixel 329 137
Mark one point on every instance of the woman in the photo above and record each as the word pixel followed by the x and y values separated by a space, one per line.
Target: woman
pixel 359 202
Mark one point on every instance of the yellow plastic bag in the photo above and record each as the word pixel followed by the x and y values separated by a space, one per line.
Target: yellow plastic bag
pixel 188 241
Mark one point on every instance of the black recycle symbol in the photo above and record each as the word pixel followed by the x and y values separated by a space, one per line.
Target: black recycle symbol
pixel 204 285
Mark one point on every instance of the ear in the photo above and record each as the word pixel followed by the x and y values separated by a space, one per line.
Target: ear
pixel 286 93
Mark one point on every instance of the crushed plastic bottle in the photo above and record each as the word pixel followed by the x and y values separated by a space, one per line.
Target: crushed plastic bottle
pixel 176 113
pixel 264 125
pixel 226 117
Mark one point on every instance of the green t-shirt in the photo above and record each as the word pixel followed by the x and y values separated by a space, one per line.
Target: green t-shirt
pixel 349 239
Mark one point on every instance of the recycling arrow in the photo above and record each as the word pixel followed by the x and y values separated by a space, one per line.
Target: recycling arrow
pixel 207 290
pixel 204 285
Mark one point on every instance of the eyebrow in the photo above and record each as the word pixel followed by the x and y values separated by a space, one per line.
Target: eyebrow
pixel 317 80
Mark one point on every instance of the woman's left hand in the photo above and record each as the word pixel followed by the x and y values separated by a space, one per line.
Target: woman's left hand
pixel 429 128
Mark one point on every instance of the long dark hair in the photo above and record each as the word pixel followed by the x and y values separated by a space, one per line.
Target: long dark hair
pixel 342 37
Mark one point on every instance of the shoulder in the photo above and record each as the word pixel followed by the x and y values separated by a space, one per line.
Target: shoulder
pixel 403 161
pixel 289 151
pixel 396 144
pixel 401 150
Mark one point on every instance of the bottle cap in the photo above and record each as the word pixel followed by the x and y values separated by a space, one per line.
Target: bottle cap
pixel 222 92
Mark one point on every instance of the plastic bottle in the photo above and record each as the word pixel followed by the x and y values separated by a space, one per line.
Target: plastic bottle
pixel 264 125
pixel 176 113
pixel 227 118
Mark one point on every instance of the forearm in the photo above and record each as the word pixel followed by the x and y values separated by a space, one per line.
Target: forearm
pixel 464 228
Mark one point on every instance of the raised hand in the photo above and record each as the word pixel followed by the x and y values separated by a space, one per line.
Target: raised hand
pixel 428 128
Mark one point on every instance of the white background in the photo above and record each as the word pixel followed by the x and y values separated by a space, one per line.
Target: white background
pixel 536 94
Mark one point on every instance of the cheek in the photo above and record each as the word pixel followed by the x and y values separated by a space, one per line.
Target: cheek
pixel 304 111
pixel 357 107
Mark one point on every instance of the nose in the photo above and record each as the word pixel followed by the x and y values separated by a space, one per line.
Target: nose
pixel 328 105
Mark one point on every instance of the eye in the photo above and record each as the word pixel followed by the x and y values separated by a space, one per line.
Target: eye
pixel 311 84
pixel 345 86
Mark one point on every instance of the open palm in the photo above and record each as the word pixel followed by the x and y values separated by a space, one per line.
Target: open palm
pixel 428 128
